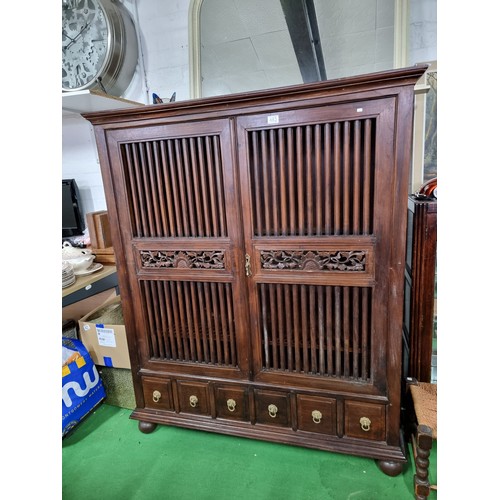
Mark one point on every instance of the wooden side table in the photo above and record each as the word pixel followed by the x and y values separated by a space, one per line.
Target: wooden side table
pixel 86 286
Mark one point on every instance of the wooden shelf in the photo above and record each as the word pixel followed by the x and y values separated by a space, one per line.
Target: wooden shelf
pixel 83 101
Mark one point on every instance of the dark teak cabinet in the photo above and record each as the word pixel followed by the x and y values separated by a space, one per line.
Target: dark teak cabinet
pixel 260 246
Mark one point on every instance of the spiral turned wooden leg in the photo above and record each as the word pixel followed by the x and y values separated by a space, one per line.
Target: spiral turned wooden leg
pixel 423 450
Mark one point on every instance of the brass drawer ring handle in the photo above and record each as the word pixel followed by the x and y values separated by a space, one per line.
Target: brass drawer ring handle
pixel 365 423
pixel 273 410
pixel 316 416
pixel 231 404
pixel 193 401
pixel 156 396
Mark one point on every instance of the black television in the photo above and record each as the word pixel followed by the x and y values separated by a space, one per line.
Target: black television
pixel 72 217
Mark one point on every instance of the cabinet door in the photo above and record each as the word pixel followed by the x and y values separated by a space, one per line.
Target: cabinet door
pixel 319 207
pixel 180 251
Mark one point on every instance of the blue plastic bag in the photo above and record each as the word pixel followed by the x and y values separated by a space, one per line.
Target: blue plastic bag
pixel 82 387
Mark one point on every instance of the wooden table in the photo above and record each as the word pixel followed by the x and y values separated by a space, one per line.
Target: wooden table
pixel 86 286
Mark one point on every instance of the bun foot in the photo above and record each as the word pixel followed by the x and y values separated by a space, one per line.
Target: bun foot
pixel 389 467
pixel 146 427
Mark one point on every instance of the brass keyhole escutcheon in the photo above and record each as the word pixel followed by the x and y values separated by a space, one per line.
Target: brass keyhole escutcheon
pixel 273 410
pixel 156 396
pixel 248 265
pixel 316 416
pixel 193 401
pixel 231 404
pixel 365 423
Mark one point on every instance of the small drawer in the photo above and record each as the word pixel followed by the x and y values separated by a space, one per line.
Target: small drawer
pixel 316 414
pixel 157 393
pixel 231 402
pixel 193 397
pixel 272 407
pixel 365 420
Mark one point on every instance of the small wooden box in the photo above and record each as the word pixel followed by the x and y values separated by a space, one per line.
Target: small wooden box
pixel 100 237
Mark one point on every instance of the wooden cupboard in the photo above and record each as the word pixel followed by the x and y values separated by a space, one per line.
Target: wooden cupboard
pixel 260 246
pixel 420 288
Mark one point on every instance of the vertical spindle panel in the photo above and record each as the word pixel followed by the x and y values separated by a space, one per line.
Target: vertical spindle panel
pixel 221 207
pixel 148 208
pixel 338 332
pixel 356 201
pixel 257 185
pixel 288 329
pixel 313 319
pixel 180 215
pixel 149 174
pixel 274 325
pixel 329 331
pixel 367 159
pixel 156 318
pixel 284 201
pixel 132 190
pixel 321 330
pixel 346 227
pixel 265 184
pixel 292 176
pixel 151 323
pixel 202 171
pixel 296 327
pixel 328 167
pixel 347 330
pixel 190 313
pixel 274 184
pixel 216 313
pixel 265 325
pixel 162 193
pixel 281 325
pixel 144 227
pixel 337 166
pixel 300 183
pixel 170 320
pixel 305 333
pixel 355 332
pixel 365 352
pixel 212 188
pixel 188 184
pixel 309 181
pixel 225 358
pixel 195 174
pixel 319 180
pixel 231 319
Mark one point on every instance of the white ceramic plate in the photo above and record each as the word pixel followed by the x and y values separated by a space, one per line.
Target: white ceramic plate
pixel 92 269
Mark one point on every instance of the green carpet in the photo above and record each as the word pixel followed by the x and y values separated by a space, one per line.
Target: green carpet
pixel 107 457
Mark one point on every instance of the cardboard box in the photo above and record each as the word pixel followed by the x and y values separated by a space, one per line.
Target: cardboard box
pixel 82 387
pixel 105 340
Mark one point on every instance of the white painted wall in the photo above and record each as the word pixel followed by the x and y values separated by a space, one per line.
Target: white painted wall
pixel 164 68
pixel 422 43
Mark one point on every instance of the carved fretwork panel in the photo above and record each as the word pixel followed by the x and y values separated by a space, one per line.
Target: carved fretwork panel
pixel 190 321
pixel 181 259
pixel 317 330
pixel 313 260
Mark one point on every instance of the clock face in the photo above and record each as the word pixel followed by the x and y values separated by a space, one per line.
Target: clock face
pixel 85 41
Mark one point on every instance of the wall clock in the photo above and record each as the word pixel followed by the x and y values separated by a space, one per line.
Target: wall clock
pixel 99 46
